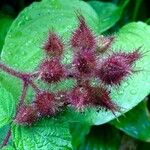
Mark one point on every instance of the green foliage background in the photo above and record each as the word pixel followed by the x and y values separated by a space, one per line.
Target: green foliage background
pixel 71 130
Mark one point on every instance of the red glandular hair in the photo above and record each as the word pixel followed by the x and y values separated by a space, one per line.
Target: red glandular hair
pixel 80 96
pixel 88 63
pixel 113 70
pixel 27 115
pixel 101 98
pixel 53 46
pixel 84 63
pixel 132 56
pixel 83 38
pixel 51 70
pixel 116 67
pixel 84 96
pixel 46 103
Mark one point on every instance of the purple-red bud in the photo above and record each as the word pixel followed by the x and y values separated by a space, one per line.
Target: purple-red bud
pixel 84 63
pixel 101 98
pixel 79 97
pixel 46 104
pixel 133 56
pixel 82 38
pixel 27 115
pixel 53 46
pixel 113 69
pixel 51 70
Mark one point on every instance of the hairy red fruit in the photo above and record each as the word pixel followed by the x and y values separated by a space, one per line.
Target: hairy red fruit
pixel 83 38
pixel 85 62
pixel 51 70
pixel 114 69
pixel 103 43
pixel 79 97
pixel 53 46
pixel 27 115
pixel 129 58
pixel 101 98
pixel 133 56
pixel 46 104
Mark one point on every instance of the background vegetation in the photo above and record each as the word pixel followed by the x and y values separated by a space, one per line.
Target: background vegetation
pixel 133 130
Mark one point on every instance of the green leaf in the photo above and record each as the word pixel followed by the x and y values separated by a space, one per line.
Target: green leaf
pixel 102 137
pixel 5 23
pixel 30 29
pixel 135 123
pixel 108 14
pixel 8 148
pixel 3 132
pixel 143 146
pixel 24 46
pixel 136 87
pixel 6 106
pixel 47 134
pixel 148 21
pixel 78 132
pixel 22 49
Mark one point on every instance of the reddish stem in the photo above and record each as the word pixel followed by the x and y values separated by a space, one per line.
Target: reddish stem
pixel 23 76
pixel 34 86
pixel 24 91
pixel 27 80
pixel 35 74
pixel 5 141
pixel 12 72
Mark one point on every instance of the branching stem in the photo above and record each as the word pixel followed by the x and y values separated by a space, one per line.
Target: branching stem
pixel 35 87
pixel 27 79
pixel 6 140
pixel 13 72
pixel 23 95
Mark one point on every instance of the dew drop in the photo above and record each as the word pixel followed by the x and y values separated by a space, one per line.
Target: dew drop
pixel 23 53
pixel 135 132
pixel 28 43
pixel 19 23
pixel 120 92
pixel 133 92
pixel 48 11
pixel 126 84
pixel 26 18
pixel 9 36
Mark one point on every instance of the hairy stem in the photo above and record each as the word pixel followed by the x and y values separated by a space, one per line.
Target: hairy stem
pixel 35 87
pixel 6 139
pixel 23 95
pixel 12 71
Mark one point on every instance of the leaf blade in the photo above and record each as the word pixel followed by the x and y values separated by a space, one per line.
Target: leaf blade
pixel 46 134
pixel 108 14
pixel 6 107
pixel 137 128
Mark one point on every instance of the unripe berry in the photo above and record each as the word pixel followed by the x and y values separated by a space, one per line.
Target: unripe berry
pixel 46 103
pixel 82 38
pixel 27 114
pixel 114 69
pixel 51 70
pixel 53 46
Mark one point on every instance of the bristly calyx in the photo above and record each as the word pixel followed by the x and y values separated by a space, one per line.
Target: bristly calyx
pixel 88 62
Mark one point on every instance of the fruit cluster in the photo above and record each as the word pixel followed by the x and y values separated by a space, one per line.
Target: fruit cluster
pixel 92 59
